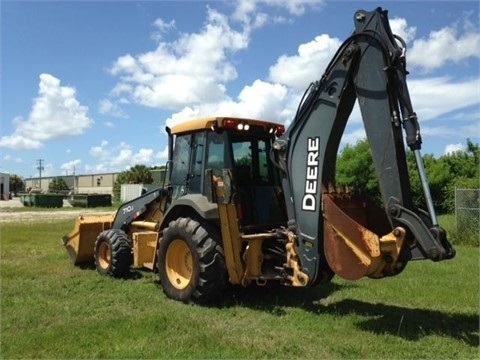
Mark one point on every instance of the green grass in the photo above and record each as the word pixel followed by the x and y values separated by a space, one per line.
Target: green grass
pixel 470 237
pixel 51 309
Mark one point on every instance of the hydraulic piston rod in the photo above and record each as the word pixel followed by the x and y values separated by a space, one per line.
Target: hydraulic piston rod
pixel 425 187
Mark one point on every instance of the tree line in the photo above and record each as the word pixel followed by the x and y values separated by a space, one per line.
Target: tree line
pixel 355 169
pixel 458 169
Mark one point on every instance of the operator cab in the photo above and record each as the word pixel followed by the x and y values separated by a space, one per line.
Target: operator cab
pixel 242 146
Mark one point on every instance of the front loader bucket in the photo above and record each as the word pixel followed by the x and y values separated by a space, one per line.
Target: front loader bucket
pixel 80 242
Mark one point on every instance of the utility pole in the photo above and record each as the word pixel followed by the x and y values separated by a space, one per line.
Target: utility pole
pixel 74 181
pixel 40 168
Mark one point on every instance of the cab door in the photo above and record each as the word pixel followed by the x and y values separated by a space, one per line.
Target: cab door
pixel 195 173
pixel 187 164
pixel 180 165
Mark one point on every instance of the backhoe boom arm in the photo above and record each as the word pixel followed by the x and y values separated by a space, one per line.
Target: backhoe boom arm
pixel 370 67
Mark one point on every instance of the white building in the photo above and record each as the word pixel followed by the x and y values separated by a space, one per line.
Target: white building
pixel 101 183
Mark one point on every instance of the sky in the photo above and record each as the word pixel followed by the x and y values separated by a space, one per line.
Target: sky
pixel 89 86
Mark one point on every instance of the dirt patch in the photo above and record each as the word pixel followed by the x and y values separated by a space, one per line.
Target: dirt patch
pixel 9 212
pixel 47 215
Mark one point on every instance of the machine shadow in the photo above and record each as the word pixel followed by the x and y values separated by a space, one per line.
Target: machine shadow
pixel 133 274
pixel 408 323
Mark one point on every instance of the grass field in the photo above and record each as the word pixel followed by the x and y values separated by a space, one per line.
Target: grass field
pixel 51 309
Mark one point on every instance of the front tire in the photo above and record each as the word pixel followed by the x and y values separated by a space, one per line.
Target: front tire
pixel 113 253
pixel 191 263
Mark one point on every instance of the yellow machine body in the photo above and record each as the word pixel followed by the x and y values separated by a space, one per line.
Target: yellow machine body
pixel 144 248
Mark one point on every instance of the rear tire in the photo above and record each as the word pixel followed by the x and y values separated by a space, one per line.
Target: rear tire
pixel 113 253
pixel 191 263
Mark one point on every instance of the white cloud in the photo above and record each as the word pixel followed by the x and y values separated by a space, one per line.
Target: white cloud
pixel 190 74
pixel 469 116
pixel 162 155
pixel 453 148
pixel 246 8
pixel 108 107
pixel 261 100
pixel 471 130
pixel 400 27
pixel 438 131
pixel 191 70
pixel 432 97
pixel 187 113
pixel 71 166
pixel 122 156
pixel 352 137
pixel 459 129
pixel 55 113
pixel 11 159
pixel 162 27
pixel 298 71
pixel 444 46
pixel 99 151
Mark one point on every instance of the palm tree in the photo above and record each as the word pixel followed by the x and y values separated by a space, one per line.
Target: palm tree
pixel 139 174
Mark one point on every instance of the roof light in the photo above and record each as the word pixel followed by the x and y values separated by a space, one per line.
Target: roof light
pixel 229 123
pixel 279 130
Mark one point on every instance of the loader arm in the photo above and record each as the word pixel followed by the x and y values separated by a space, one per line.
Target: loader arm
pixel 370 67
pixel 133 209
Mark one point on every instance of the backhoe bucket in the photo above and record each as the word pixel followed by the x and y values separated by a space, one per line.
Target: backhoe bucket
pixel 351 244
pixel 80 242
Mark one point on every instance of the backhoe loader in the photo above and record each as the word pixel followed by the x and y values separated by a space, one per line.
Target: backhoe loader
pixel 248 201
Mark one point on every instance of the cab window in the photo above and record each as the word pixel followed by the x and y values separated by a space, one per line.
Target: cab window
pixel 195 174
pixel 251 162
pixel 216 153
pixel 180 162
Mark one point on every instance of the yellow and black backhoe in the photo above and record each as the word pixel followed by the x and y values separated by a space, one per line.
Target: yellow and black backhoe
pixel 250 201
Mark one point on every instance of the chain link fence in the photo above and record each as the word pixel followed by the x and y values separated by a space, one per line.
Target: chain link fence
pixel 467 213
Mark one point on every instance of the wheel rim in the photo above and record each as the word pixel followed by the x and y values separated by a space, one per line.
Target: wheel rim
pixel 104 255
pixel 179 264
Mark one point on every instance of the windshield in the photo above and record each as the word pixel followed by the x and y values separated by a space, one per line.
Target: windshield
pixel 251 159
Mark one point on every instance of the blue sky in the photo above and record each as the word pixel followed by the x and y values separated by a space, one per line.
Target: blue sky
pixel 90 85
